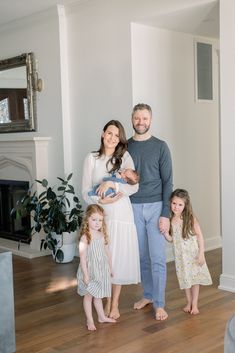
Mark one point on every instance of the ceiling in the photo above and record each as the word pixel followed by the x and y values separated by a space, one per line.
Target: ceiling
pixel 201 20
pixel 11 10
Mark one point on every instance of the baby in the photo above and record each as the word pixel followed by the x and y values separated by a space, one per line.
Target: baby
pixel 124 176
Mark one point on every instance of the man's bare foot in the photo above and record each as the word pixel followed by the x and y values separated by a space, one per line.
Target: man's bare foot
pixel 91 326
pixel 194 311
pixel 114 313
pixel 187 308
pixel 107 308
pixel 161 314
pixel 142 303
pixel 106 319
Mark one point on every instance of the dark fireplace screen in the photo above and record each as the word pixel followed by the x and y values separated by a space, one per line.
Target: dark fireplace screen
pixel 10 192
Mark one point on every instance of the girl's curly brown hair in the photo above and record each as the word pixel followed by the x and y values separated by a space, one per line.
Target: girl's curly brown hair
pixel 84 230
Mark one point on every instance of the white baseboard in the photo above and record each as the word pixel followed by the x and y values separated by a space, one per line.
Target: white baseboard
pixel 227 282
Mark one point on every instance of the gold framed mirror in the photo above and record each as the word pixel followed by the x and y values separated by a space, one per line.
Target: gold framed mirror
pixel 17 94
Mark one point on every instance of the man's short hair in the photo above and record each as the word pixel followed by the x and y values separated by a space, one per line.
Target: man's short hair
pixel 141 106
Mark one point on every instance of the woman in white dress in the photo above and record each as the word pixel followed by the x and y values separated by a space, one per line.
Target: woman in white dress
pixel 111 157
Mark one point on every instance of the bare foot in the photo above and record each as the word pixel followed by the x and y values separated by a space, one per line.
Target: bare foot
pixel 194 311
pixel 106 319
pixel 142 303
pixel 187 308
pixel 91 326
pixel 114 313
pixel 161 314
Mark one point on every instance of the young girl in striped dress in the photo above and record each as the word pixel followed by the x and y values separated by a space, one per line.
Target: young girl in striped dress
pixel 94 271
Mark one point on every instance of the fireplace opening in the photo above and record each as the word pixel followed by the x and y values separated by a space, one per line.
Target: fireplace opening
pixel 10 192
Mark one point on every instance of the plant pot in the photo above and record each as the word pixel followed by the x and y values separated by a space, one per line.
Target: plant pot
pixel 67 243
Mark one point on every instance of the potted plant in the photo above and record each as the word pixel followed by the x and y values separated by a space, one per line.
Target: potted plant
pixel 51 213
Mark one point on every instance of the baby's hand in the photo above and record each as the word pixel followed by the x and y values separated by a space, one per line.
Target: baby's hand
pixel 86 280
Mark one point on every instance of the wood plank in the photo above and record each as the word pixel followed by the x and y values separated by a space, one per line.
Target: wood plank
pixel 50 317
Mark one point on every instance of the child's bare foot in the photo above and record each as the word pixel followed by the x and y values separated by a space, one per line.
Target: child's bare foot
pixel 142 303
pixel 161 314
pixel 194 311
pixel 187 308
pixel 106 319
pixel 91 326
pixel 114 313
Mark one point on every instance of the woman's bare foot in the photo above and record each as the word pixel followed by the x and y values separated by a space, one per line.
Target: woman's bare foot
pixel 106 319
pixel 194 311
pixel 187 308
pixel 91 326
pixel 142 303
pixel 161 314
pixel 114 313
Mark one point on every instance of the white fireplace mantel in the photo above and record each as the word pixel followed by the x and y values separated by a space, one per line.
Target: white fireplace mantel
pixel 26 159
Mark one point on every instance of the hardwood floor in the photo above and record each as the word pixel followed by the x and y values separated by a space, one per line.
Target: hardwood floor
pixel 50 318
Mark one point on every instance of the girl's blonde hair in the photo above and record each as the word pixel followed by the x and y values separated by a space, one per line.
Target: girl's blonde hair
pixel 84 230
pixel 187 214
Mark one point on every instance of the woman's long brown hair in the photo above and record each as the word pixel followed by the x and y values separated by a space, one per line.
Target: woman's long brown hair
pixel 84 230
pixel 116 158
pixel 187 214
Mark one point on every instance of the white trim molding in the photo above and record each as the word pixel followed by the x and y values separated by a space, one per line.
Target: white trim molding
pixel 227 282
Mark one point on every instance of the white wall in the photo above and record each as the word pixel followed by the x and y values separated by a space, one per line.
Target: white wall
pixel 98 55
pixel 40 34
pixel 227 28
pixel 163 76
pixel 100 66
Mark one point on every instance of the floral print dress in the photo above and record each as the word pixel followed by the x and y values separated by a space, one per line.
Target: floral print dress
pixel 186 251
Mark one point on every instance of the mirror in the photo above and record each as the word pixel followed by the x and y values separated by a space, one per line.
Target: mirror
pixel 17 94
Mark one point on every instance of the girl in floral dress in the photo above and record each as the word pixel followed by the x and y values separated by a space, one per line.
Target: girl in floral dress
pixel 188 242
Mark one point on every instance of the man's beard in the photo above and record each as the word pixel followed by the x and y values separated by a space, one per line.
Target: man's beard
pixel 141 132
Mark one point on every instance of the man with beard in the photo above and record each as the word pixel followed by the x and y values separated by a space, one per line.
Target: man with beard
pixel 150 204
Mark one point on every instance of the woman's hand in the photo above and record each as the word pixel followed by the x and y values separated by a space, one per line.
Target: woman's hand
pixel 104 186
pixel 110 199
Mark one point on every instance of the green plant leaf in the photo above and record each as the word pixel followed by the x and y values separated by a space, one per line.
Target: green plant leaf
pixel 75 199
pixel 68 202
pixel 70 176
pixel 42 195
pixel 61 188
pixel 51 194
pixel 37 227
pixel 69 191
pixel 60 179
pixel 59 255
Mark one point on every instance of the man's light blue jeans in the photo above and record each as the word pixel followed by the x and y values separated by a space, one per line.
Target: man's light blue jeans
pixel 152 251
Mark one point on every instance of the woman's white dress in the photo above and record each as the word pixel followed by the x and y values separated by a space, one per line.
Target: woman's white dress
pixel 123 242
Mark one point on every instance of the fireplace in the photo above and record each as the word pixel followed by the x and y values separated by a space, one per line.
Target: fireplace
pixel 10 192
pixel 22 160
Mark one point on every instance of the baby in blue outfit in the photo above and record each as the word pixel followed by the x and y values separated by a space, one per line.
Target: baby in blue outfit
pixel 125 176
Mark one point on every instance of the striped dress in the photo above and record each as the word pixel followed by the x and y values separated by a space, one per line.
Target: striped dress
pixel 99 285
